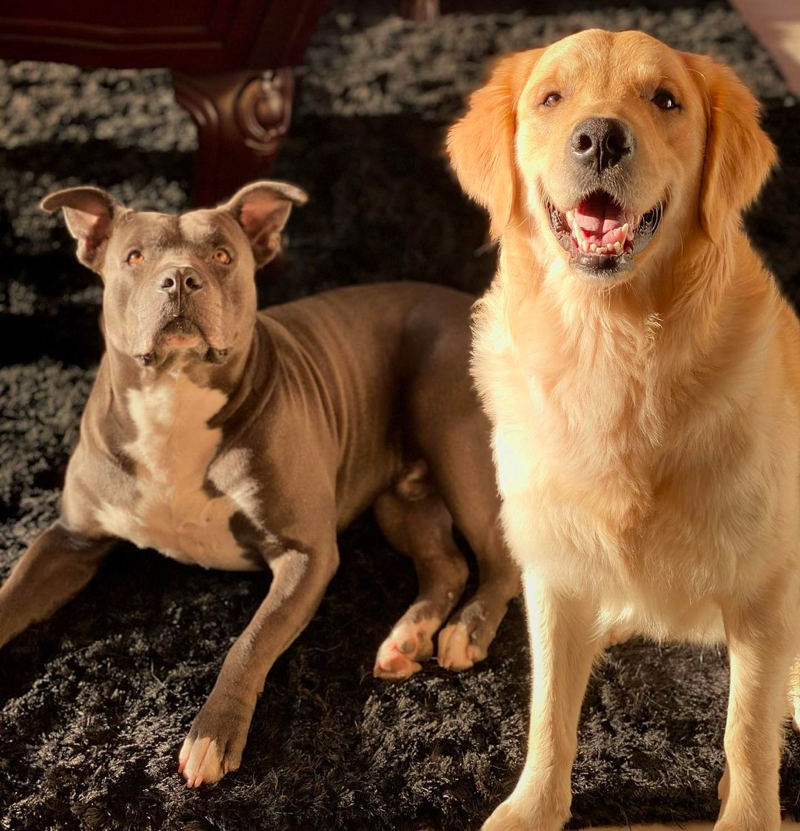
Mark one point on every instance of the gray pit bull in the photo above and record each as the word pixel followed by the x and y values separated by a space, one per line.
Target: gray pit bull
pixel 236 439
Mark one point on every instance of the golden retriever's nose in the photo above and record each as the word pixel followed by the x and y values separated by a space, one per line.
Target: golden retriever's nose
pixel 601 143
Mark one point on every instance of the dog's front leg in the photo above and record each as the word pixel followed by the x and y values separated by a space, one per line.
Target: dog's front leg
pixel 59 563
pixel 219 732
pixel 762 642
pixel 563 647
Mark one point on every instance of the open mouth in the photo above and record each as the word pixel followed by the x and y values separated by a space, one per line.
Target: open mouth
pixel 600 235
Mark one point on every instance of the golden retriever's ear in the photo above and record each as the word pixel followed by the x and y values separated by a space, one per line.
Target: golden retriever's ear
pixel 738 154
pixel 481 144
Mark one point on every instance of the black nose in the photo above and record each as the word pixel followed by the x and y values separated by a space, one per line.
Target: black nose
pixel 601 142
pixel 179 281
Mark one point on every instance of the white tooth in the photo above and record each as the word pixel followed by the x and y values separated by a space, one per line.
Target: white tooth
pixel 617 247
pixel 585 245
pixel 593 247
pixel 625 231
pixel 570 216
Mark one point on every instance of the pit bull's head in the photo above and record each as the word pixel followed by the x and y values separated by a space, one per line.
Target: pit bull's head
pixel 178 285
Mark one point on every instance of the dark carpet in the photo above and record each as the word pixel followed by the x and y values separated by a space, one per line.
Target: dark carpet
pixel 96 701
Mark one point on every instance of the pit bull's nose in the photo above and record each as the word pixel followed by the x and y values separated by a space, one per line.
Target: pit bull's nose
pixel 601 143
pixel 179 281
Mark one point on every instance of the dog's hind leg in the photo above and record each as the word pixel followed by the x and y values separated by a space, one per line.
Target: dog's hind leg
pixel 423 530
pixel 467 484
pixel 469 632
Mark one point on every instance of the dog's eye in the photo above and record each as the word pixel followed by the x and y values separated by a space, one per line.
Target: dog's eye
pixel 665 100
pixel 135 257
pixel 551 99
pixel 221 256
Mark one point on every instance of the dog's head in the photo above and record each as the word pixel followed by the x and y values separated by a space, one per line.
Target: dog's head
pixel 615 146
pixel 178 285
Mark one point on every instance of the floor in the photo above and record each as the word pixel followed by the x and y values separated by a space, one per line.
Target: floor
pixel 95 702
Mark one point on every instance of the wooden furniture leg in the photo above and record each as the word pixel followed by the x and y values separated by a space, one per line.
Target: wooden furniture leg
pixel 420 11
pixel 242 119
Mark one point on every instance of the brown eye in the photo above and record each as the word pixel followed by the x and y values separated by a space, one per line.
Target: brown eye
pixel 135 257
pixel 665 100
pixel 552 99
pixel 221 256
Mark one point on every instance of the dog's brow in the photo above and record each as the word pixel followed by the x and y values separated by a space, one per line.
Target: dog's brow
pixel 168 238
pixel 217 237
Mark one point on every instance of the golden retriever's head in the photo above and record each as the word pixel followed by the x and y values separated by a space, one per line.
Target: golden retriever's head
pixel 616 146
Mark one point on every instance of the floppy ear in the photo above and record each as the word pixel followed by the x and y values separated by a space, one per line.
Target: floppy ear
pixel 89 214
pixel 481 144
pixel 738 155
pixel 262 210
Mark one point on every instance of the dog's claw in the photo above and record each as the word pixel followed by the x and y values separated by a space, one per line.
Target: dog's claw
pixel 202 762
pixel 216 740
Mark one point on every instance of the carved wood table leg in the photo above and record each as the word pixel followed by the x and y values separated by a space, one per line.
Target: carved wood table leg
pixel 420 11
pixel 242 120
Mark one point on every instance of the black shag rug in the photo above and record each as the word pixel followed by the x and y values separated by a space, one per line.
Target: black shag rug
pixel 96 701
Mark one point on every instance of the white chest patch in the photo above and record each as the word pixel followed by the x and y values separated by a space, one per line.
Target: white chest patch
pixel 173 451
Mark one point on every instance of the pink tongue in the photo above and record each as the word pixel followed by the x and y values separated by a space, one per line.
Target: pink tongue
pixel 597 215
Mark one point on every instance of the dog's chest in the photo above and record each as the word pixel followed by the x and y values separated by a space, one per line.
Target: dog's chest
pixel 623 490
pixel 177 507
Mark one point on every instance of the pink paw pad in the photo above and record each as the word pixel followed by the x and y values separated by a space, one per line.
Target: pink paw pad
pixel 456 651
pixel 396 659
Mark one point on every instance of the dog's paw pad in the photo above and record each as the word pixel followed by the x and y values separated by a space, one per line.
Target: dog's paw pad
pixel 216 740
pixel 201 762
pixel 456 649
pixel 398 654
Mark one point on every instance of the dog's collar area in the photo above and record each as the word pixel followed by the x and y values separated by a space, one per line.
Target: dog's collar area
pixel 599 235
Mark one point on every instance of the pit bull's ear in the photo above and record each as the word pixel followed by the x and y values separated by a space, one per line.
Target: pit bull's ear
pixel 89 213
pixel 262 210
pixel 481 144
pixel 738 153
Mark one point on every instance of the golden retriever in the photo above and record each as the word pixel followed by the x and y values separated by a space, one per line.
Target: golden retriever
pixel 642 374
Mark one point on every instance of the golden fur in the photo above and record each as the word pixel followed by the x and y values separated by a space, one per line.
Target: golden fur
pixel 646 428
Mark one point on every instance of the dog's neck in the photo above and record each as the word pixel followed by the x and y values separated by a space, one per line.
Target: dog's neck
pixel 682 307
pixel 247 371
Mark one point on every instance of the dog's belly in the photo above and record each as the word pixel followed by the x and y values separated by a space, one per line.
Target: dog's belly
pixel 182 498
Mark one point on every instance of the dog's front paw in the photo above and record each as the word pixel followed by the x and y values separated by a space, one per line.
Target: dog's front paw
pixel 215 742
pixel 456 649
pixel 518 813
pixel 400 654
pixel 508 817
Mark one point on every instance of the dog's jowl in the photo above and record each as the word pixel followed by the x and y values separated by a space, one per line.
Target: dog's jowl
pixel 642 374
pixel 236 439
